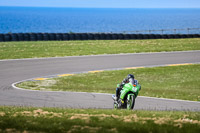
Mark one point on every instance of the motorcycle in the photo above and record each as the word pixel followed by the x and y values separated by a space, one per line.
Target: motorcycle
pixel 127 97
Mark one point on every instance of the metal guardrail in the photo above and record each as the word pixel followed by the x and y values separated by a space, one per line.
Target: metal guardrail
pixel 124 35
pixel 164 31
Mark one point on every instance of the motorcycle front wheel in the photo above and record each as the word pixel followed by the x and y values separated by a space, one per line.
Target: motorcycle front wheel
pixel 131 102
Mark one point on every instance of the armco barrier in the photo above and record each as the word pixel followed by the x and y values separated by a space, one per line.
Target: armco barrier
pixel 88 36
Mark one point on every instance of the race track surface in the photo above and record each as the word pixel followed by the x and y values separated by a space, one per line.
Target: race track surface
pixel 16 70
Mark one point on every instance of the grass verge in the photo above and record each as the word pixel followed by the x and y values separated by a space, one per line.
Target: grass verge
pixel 21 119
pixel 176 82
pixel 17 50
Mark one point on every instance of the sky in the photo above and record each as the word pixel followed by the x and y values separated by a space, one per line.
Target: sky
pixel 104 3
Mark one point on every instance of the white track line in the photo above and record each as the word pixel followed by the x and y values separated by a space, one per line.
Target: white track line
pixel 14 85
pixel 46 58
pixel 179 100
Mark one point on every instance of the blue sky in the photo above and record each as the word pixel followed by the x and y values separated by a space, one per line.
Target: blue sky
pixel 105 3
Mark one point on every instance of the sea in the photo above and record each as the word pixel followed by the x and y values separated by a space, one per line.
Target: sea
pixel 98 20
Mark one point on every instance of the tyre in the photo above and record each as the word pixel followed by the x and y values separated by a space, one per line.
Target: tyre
pixel 84 36
pixel 164 36
pixel 33 37
pixel 158 36
pixel 7 37
pixel 108 36
pixel 96 37
pixel 152 36
pixel 59 37
pixel 39 36
pixel 71 36
pixel 26 37
pixel 145 36
pixel 52 36
pixel 183 36
pixel 127 37
pixel 78 36
pixel 196 36
pixel 177 36
pixel 133 36
pixel 65 36
pixel 102 36
pixel 14 37
pixel 115 105
pixel 120 36
pixel 171 36
pixel 46 37
pixel 1 37
pixel 90 36
pixel 131 102
pixel 139 36
pixel 114 36
pixel 21 36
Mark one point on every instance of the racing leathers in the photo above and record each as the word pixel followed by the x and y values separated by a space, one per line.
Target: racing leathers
pixel 125 81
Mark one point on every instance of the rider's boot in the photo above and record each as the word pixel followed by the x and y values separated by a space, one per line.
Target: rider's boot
pixel 115 98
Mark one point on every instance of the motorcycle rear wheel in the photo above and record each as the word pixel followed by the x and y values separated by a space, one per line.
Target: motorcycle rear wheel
pixel 115 105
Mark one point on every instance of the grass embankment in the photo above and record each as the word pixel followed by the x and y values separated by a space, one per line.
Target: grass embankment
pixel 176 82
pixel 17 50
pixel 18 119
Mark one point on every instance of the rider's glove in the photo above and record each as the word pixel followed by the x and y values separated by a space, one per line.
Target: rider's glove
pixel 121 85
pixel 125 80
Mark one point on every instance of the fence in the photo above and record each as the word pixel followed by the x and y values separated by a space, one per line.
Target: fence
pixel 125 35
pixel 165 31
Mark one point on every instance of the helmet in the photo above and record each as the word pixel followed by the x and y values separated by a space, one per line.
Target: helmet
pixel 130 76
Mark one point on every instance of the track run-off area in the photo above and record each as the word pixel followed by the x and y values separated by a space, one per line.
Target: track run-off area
pixel 15 70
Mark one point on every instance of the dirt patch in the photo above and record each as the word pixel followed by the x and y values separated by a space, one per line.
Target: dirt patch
pixel 179 123
pixel 135 118
pixel 11 130
pixel 162 120
pixel 89 129
pixel 114 130
pixel 38 113
pixel 2 113
pixel 131 118
pixel 86 116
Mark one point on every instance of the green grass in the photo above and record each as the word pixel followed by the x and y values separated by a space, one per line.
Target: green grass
pixel 176 82
pixel 37 49
pixel 21 119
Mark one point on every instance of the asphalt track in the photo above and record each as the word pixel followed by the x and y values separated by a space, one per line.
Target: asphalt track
pixel 16 70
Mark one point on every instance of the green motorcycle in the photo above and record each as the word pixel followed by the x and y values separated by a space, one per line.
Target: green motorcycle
pixel 127 98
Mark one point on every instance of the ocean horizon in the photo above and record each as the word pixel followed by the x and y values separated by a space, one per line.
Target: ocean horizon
pixel 96 20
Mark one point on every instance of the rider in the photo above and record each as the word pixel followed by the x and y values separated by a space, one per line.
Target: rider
pixel 129 79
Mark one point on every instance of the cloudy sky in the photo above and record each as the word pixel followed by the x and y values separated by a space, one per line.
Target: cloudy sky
pixel 105 3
